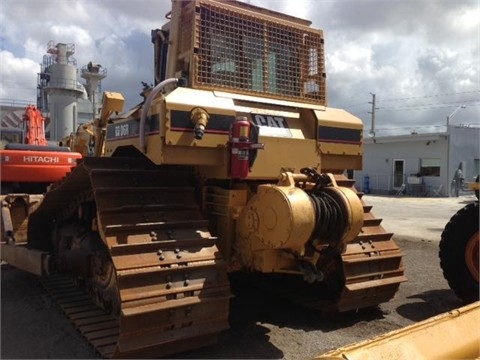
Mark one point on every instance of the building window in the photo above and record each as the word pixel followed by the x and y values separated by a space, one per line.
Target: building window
pixel 429 167
pixel 476 167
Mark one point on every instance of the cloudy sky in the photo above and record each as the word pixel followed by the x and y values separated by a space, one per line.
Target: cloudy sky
pixel 420 57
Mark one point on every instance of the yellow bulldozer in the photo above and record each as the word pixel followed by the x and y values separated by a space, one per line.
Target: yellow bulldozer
pixel 233 162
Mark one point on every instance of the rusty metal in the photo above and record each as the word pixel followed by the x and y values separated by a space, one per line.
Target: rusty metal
pixel 372 263
pixel 94 324
pixel 163 274
pixel 173 292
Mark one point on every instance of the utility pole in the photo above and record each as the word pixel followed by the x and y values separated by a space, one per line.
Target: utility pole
pixel 372 128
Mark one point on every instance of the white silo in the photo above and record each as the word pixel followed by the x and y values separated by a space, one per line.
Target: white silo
pixel 59 75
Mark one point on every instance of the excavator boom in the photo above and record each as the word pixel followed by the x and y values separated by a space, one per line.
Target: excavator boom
pixel 34 124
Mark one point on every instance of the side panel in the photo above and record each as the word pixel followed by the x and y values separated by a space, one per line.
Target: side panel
pixel 340 139
pixel 294 136
pixel 35 166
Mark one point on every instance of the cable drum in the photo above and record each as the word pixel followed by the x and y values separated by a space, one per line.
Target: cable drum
pixel 331 221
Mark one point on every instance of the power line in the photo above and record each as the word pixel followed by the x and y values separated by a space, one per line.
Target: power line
pixel 430 96
pixel 470 125
pixel 430 106
pixel 417 98
pixel 410 127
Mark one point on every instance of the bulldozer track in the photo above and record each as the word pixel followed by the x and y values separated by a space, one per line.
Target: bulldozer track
pixel 170 278
pixel 100 328
pixel 372 262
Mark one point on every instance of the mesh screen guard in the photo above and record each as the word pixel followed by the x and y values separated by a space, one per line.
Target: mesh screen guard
pixel 244 52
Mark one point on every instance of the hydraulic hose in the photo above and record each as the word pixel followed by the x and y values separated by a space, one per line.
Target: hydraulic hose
pixel 146 106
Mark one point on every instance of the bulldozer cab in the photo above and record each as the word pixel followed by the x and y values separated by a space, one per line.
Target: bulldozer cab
pixel 236 47
pixel 232 59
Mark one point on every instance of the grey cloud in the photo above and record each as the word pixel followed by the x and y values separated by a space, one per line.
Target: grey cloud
pixel 396 49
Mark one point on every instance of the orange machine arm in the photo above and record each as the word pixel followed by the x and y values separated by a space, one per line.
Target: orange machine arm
pixel 34 124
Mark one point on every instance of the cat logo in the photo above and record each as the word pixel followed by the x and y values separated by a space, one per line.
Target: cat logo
pixel 275 126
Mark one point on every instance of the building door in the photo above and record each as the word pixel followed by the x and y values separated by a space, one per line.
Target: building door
pixel 398 173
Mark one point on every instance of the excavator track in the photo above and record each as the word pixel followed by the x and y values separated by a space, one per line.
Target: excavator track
pixel 163 274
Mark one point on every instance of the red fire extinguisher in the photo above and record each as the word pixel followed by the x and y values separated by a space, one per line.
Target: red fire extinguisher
pixel 243 147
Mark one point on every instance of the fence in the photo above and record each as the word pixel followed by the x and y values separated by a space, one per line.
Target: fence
pixel 377 183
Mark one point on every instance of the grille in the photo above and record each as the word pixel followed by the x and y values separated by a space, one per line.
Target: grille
pixel 242 52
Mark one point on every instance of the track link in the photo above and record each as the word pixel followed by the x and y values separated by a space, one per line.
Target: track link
pixel 372 262
pixel 169 277
pixel 98 327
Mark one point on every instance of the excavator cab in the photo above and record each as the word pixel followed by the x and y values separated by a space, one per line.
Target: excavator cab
pixel 11 136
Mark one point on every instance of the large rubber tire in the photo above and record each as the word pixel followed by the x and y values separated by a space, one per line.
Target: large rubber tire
pixel 457 238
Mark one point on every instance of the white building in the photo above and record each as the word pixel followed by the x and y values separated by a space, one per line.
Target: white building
pixel 425 164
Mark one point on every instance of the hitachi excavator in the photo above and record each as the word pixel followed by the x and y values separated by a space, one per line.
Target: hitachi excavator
pixel 233 162
pixel 28 164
